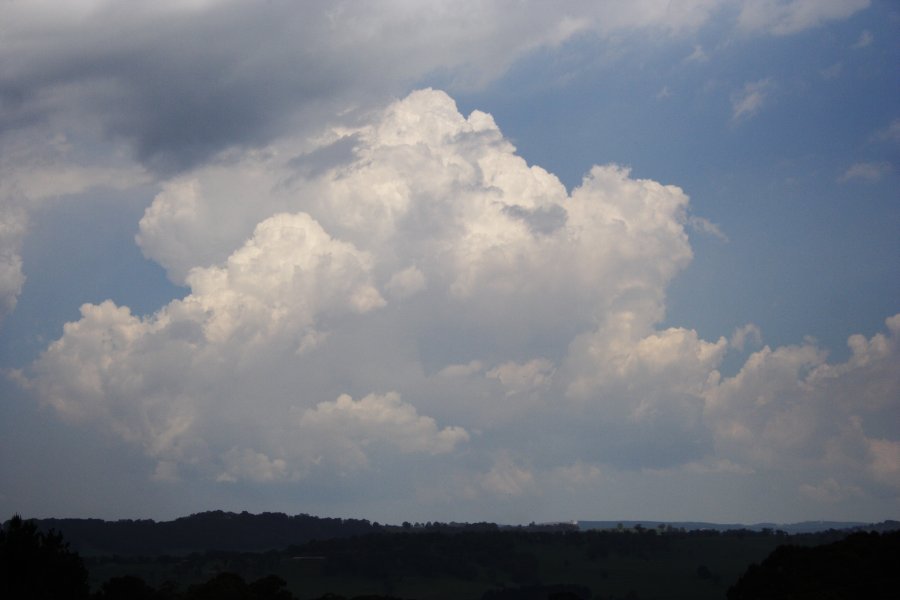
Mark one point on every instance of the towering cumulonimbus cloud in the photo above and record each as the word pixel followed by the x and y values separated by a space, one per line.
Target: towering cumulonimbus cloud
pixel 410 287
pixel 434 235
pixel 179 82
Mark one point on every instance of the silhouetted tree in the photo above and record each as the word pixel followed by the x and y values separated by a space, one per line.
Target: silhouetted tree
pixel 128 587
pixel 540 592
pixel 863 565
pixel 38 566
pixel 225 586
pixel 270 587
pixel 230 586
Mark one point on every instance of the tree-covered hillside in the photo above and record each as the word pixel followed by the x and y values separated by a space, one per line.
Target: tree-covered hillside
pixel 437 561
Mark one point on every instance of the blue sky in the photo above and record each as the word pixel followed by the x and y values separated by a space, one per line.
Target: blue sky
pixel 659 280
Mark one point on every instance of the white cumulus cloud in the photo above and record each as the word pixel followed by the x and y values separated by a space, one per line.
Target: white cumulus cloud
pixel 788 409
pixel 376 419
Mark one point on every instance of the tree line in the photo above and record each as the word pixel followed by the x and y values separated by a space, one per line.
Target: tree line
pixel 502 564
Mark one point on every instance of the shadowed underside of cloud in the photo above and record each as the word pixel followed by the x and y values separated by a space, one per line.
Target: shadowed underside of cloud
pixel 182 81
pixel 12 229
pixel 423 292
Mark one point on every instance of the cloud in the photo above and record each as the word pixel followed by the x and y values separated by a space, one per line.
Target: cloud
pixel 706 226
pixel 865 39
pixel 424 307
pixel 832 72
pixel 577 474
pixel 523 378
pixel 749 100
pixel 245 464
pixel 884 463
pixel 12 231
pixel 343 431
pixel 435 233
pixel 868 172
pixel 405 283
pixel 742 335
pixel 830 491
pixel 789 410
pixel 784 17
pixel 643 390
pixel 180 84
pixel 153 381
pixel 182 81
pixel 891 133
pixel 699 55
pixel 506 478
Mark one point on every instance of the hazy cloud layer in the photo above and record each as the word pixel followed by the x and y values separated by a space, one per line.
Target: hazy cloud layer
pixel 782 17
pixel 865 40
pixel 869 172
pixel 181 81
pixel 424 293
pixel 12 230
pixel 891 133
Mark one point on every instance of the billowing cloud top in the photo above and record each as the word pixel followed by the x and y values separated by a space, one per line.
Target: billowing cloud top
pixel 180 81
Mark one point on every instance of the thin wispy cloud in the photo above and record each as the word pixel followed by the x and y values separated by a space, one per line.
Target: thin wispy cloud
pixel 832 72
pixel 891 133
pixel 865 39
pixel 867 172
pixel 785 17
pixel 698 55
pixel 707 227
pixel 749 100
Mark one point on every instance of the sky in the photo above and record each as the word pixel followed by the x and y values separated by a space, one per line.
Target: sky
pixel 451 261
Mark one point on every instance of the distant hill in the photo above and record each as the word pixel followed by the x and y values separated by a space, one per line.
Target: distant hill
pixel 232 532
pixel 216 530
pixel 246 532
pixel 792 528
